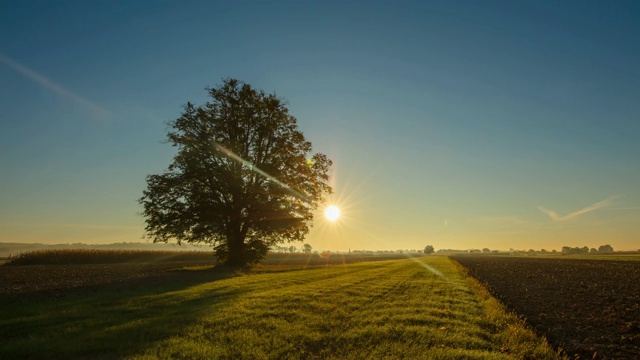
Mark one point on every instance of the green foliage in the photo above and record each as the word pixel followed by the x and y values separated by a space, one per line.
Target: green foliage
pixel 307 248
pixel 402 309
pixel 89 256
pixel 243 179
pixel 585 250
pixel 605 248
pixel 428 249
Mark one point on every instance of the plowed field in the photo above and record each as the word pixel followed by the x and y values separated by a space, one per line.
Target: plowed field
pixel 589 308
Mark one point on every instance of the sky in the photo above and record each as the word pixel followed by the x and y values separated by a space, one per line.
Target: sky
pixel 457 124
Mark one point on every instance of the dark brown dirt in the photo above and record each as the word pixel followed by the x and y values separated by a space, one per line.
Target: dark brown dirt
pixel 57 280
pixel 588 308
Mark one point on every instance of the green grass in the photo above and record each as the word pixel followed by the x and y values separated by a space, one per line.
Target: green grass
pixel 400 309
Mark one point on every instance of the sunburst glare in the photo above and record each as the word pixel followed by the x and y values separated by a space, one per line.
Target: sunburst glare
pixel 341 224
pixel 332 213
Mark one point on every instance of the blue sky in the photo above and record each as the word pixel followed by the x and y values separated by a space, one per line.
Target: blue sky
pixel 459 124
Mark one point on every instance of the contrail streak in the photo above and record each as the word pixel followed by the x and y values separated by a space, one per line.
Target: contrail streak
pixel 599 205
pixel 43 81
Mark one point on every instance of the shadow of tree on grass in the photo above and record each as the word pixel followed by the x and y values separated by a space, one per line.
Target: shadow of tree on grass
pixel 112 322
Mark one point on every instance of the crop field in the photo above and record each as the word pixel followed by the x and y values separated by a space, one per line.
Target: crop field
pixel 417 308
pixel 90 256
pixel 585 306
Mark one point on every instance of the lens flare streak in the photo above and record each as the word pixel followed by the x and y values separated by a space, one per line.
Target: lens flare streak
pixel 429 267
pixel 255 169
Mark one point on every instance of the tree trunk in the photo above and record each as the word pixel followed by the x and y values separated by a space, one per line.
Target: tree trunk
pixel 237 256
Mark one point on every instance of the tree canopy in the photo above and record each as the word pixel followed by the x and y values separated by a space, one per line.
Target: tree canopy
pixel 243 178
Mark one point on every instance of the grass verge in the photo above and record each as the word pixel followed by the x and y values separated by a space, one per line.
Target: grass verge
pixel 423 308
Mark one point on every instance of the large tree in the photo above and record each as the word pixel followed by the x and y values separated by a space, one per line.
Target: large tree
pixel 243 178
pixel 428 249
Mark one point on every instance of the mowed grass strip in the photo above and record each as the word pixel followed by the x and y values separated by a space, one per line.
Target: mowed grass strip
pixel 403 309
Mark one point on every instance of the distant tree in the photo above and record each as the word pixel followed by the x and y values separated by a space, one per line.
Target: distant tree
pixel 307 248
pixel 574 250
pixel 428 249
pixel 292 249
pixel 593 250
pixel 243 178
pixel 605 249
pixel 486 250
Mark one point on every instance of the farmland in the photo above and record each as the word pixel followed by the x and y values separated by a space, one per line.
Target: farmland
pixel 290 308
pixel 585 306
pixel 56 272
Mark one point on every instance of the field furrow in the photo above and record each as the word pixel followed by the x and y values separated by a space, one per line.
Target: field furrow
pixel 589 308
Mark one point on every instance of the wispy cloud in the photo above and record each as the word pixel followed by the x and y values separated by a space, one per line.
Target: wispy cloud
pixel 59 90
pixel 599 205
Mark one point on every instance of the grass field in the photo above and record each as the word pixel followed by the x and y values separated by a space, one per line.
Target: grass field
pixel 400 309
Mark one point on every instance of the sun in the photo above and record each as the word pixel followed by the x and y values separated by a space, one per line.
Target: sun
pixel 332 213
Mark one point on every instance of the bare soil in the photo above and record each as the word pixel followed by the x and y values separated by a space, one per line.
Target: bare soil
pixel 58 280
pixel 588 308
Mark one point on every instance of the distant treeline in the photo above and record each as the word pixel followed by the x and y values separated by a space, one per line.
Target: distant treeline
pixel 585 249
pixel 566 250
